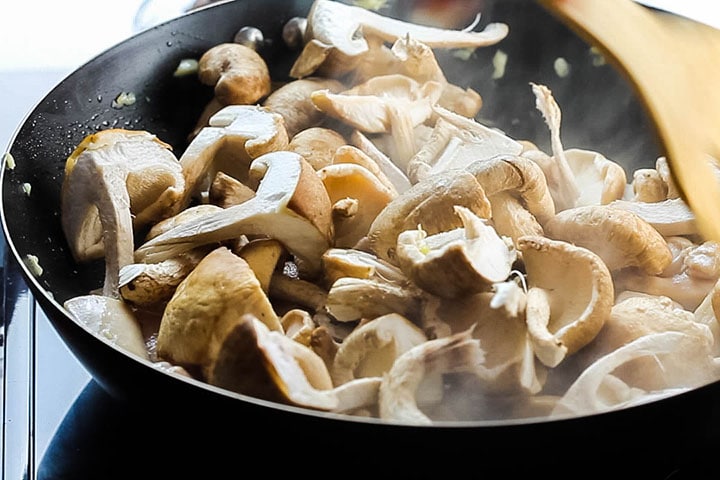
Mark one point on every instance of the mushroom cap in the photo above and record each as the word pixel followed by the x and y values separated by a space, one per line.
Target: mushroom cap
pixel 210 300
pixel 579 289
pixel 238 73
pixel 317 145
pixel 430 204
pixel 458 262
pixel 621 238
pixel 599 179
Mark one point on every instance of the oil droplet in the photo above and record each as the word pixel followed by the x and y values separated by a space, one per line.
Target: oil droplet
pixel 99 98
pixel 169 43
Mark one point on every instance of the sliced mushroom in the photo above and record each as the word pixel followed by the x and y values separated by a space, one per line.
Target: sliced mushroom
pixel 263 255
pixel 453 354
pixel 112 177
pixel 352 181
pixel 620 237
pixel 253 360
pixel 317 145
pixel 430 204
pixel 110 319
pixel 226 191
pixel 560 178
pixel 207 305
pixel 336 37
pixel 347 262
pixel 371 349
pixel 661 165
pixel 569 298
pixel 354 155
pixel 291 205
pixel 292 102
pixel 648 186
pixel 237 134
pixel 456 142
pixel 395 104
pixel 511 219
pixel 299 326
pixel 238 73
pixel 458 262
pixel 670 217
pixel 393 173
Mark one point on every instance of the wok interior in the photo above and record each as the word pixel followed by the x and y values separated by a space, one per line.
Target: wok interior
pixel 600 111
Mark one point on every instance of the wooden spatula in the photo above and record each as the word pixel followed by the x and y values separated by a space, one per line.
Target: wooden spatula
pixel 674 65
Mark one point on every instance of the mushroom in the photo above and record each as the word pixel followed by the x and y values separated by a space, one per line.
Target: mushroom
pixel 620 237
pixel 569 298
pixel 560 178
pixel 688 281
pixel 394 103
pixel 207 305
pixel 354 155
pixel 253 360
pixel 237 134
pixel 297 292
pixel 292 102
pixel 456 142
pixel 317 145
pixel 429 203
pixel 263 255
pixel 669 217
pixel 371 349
pixel 510 365
pixel 352 181
pixel 663 169
pixel 351 299
pixel 110 319
pixel 299 326
pixel 391 171
pixel 336 37
pixel 453 354
pixel 238 74
pixel 291 205
pixel 226 191
pixel 347 262
pixel 458 262
pixel 114 180
pixel 648 186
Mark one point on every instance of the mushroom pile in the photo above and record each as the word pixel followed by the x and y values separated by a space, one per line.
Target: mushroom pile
pixel 353 240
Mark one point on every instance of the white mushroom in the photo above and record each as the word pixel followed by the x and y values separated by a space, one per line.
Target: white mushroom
pixel 111 177
pixel 291 205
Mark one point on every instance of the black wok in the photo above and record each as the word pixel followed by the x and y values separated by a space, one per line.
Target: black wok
pixel 600 112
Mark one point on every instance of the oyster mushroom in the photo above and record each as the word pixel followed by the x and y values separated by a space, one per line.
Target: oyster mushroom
pixel 111 319
pixel 458 262
pixel 456 142
pixel 237 134
pixel 453 354
pixel 207 305
pixel 569 298
pixel 620 237
pixel 393 104
pixel 560 178
pixel 238 74
pixel 255 361
pixel 351 181
pixel 116 180
pixel 291 205
pixel 371 349
pixel 336 37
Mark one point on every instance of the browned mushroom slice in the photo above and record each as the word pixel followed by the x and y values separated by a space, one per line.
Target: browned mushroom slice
pixel 207 304
pixel 351 181
pixel 110 319
pixel 570 297
pixel 372 348
pixel 236 135
pixel 621 238
pixel 252 360
pixel 457 262
pixel 453 354
pixel 291 205
pixel 317 145
pixel 111 177
pixel 336 37
pixel 351 299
